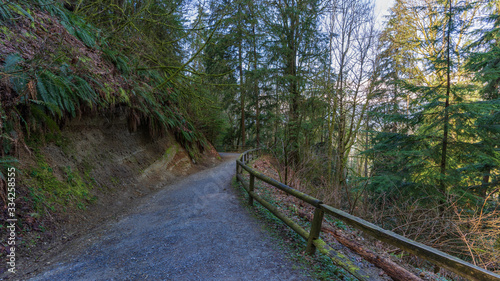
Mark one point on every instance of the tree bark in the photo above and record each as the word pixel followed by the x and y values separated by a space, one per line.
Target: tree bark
pixel 256 88
pixel 242 92
pixel 447 103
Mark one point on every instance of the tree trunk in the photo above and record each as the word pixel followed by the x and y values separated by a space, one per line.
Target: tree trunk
pixel 242 92
pixel 293 90
pixel 447 103
pixel 256 88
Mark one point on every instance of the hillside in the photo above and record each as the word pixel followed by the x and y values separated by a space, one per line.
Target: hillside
pixel 87 132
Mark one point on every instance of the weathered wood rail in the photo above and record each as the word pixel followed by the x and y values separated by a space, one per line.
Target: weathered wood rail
pixel 232 148
pixel 454 264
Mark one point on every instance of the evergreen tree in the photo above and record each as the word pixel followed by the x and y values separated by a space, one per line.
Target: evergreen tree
pixel 441 147
pixel 293 45
pixel 485 63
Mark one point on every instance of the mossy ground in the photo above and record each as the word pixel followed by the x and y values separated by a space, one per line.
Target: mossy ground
pixel 48 192
pixel 44 195
pixel 71 190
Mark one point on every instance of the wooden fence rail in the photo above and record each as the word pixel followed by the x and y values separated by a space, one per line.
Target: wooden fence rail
pixel 454 264
pixel 232 148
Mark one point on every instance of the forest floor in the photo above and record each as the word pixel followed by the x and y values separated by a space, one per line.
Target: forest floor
pixel 195 229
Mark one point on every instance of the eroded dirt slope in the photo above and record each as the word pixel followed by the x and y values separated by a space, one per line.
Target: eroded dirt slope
pixel 116 166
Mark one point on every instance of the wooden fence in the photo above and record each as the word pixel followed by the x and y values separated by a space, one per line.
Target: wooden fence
pixel 232 148
pixel 435 256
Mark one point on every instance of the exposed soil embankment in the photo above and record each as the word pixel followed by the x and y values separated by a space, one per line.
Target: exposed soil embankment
pixel 88 174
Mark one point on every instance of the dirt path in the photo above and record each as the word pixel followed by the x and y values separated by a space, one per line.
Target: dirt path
pixel 192 230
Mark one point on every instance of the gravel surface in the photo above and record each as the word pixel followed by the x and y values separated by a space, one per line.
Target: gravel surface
pixel 194 229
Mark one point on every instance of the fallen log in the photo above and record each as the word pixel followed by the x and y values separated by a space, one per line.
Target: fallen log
pixel 392 269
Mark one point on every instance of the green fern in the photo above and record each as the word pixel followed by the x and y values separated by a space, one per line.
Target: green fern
pixel 54 8
pixel 61 92
pixel 11 63
pixel 122 65
pixel 82 31
pixel 12 68
pixel 52 108
pixel 57 91
pixel 42 118
pixel 20 11
pixel 85 92
pixel 119 61
pixel 5 11
pixel 8 11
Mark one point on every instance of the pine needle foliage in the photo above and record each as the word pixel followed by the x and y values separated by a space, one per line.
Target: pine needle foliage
pixel 407 151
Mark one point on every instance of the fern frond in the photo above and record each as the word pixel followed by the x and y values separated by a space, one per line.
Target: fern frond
pixel 40 116
pixel 11 63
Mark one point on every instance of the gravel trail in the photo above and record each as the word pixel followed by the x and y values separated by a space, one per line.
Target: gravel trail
pixel 194 229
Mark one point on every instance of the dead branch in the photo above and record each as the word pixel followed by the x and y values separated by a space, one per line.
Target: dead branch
pixel 392 269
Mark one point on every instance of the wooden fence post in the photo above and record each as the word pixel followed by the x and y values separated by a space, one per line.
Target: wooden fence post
pixel 250 189
pixel 315 230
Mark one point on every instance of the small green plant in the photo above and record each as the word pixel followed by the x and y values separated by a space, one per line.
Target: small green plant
pixel 340 224
pixel 69 175
pixel 114 180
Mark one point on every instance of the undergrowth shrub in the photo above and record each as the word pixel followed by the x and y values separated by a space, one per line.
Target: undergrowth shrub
pixel 465 227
